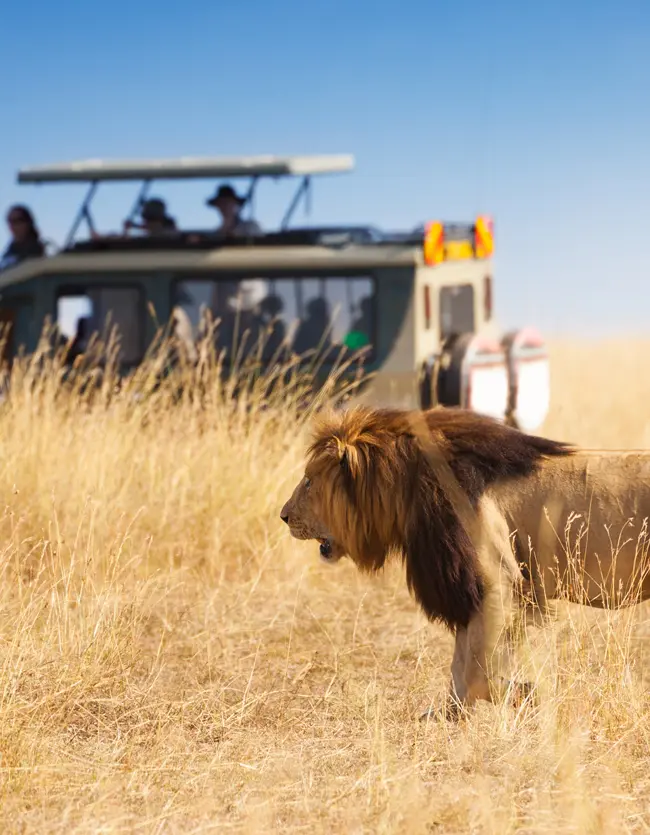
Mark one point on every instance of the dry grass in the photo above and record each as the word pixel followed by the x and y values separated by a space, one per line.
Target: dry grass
pixel 172 662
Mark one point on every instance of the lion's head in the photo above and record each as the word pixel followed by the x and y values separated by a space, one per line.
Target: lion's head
pixel 344 499
pixel 369 490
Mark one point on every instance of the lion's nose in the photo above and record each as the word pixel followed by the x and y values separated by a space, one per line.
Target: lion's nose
pixel 285 518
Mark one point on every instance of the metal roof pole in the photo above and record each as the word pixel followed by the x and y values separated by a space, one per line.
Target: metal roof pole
pixel 250 196
pixel 139 200
pixel 303 188
pixel 83 212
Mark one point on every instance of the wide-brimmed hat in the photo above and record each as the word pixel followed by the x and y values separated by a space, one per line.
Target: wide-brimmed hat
pixel 227 192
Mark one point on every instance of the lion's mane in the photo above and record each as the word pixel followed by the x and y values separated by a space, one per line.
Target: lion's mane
pixel 382 494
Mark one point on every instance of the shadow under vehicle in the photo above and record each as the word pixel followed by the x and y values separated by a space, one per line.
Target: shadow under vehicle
pixel 418 303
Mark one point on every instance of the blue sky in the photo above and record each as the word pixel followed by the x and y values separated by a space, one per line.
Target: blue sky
pixel 536 113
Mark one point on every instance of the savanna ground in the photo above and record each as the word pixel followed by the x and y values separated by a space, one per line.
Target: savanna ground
pixel 172 662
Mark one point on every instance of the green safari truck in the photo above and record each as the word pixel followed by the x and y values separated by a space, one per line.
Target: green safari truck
pixel 419 303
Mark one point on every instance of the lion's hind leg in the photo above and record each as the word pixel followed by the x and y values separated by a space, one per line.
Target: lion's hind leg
pixel 486 663
pixel 508 614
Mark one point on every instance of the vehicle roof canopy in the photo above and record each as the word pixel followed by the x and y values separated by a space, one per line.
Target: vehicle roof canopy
pixel 97 170
pixel 93 172
pixel 435 241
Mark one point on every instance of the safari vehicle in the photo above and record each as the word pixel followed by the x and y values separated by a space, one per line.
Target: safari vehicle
pixel 419 303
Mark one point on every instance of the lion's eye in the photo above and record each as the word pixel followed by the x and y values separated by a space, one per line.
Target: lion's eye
pixel 307 482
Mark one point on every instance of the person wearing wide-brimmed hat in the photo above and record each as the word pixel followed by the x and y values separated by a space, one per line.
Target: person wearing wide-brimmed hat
pixel 229 203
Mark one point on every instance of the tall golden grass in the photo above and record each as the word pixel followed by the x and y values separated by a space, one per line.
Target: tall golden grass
pixel 172 662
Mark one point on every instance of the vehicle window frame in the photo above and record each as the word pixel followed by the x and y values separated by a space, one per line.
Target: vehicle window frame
pixel 371 351
pixel 460 285
pixel 14 302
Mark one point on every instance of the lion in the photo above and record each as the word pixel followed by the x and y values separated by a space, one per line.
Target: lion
pixel 480 513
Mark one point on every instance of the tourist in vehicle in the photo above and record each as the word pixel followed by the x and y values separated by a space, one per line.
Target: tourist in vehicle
pixel 360 329
pixel 80 341
pixel 155 220
pixel 25 237
pixel 314 331
pixel 184 333
pixel 272 326
pixel 229 203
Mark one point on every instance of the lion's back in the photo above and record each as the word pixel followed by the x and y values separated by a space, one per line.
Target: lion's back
pixel 609 485
pixel 594 504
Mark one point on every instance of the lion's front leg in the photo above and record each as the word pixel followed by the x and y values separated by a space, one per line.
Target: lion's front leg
pixel 469 679
pixel 458 685
pixel 484 655
pixel 484 652
pixel 469 674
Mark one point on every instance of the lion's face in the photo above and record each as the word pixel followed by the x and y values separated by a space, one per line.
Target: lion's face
pixel 304 515
pixel 350 498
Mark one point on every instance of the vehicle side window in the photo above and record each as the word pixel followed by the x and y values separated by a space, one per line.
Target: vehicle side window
pixel 82 311
pixel 305 314
pixel 456 309
pixel 335 311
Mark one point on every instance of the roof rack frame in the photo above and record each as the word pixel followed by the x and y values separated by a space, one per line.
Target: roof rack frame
pixel 95 172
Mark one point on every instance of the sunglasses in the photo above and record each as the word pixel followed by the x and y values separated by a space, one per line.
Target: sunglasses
pixel 15 221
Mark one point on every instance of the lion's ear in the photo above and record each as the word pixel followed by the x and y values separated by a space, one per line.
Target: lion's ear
pixel 348 464
pixel 348 461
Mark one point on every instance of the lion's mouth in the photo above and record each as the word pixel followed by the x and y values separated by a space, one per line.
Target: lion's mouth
pixel 329 550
